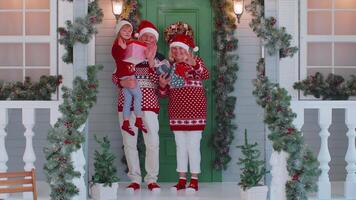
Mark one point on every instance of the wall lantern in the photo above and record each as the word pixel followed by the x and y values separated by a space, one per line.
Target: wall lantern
pixel 238 9
pixel 117 7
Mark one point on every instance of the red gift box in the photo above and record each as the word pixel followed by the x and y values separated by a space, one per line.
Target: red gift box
pixel 135 52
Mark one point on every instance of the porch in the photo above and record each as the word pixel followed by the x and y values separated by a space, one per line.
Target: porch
pixel 327 189
pixel 207 191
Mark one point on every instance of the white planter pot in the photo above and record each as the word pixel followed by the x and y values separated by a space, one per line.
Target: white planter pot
pixel 99 192
pixel 254 193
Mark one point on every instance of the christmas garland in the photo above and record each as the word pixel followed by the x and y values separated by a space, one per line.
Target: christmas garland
pixel 302 165
pixel 64 138
pixel 332 88
pixel 28 90
pixel 273 38
pixel 81 30
pixel 226 74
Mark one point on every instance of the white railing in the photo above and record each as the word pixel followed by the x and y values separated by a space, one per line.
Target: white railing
pixel 325 119
pixel 28 120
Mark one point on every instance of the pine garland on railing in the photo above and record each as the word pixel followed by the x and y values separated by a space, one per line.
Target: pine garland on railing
pixel 332 88
pixel 302 165
pixel 82 30
pixel 64 138
pixel 29 90
pixel 225 77
pixel 273 38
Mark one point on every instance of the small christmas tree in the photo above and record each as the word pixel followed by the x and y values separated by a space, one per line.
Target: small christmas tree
pixel 105 171
pixel 252 169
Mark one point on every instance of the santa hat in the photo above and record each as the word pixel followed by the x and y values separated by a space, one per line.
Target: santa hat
pixel 147 27
pixel 120 24
pixel 184 41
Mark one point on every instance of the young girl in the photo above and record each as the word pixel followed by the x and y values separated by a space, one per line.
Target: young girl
pixel 125 70
pixel 187 109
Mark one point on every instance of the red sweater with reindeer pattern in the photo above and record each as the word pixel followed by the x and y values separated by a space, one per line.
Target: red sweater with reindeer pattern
pixel 187 105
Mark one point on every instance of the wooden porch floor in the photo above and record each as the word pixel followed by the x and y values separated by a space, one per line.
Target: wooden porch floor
pixel 207 191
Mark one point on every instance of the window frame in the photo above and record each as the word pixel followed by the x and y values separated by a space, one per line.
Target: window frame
pixel 51 39
pixel 305 38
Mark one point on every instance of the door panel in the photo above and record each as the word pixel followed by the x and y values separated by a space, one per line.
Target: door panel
pixel 198 14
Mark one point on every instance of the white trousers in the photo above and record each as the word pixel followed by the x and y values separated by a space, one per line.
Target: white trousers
pixel 151 138
pixel 188 150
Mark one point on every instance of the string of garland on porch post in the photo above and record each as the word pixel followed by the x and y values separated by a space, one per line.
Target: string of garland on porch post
pixel 302 165
pixel 225 46
pixel 66 136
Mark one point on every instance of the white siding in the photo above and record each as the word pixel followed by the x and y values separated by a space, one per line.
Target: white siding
pixel 248 114
pixel 103 118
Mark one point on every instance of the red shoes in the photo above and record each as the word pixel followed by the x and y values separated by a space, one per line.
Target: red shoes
pixel 139 124
pixel 132 187
pixel 193 185
pixel 126 127
pixel 154 187
pixel 182 182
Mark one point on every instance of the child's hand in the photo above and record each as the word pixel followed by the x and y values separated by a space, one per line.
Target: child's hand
pixel 190 58
pixel 122 43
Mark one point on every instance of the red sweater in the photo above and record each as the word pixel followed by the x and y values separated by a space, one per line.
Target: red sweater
pixel 122 68
pixel 187 104
pixel 148 82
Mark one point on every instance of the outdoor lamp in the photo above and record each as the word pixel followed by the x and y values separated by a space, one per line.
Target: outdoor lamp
pixel 117 6
pixel 238 9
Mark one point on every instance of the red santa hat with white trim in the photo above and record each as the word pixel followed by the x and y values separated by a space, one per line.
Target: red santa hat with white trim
pixel 184 41
pixel 147 27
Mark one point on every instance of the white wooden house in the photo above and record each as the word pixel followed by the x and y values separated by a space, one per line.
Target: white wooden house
pixel 322 29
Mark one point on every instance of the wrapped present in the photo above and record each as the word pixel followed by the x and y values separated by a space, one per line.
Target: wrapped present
pixel 135 52
pixel 163 67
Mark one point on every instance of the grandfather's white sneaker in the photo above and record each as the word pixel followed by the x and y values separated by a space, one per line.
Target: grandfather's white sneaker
pixel 132 187
pixel 154 187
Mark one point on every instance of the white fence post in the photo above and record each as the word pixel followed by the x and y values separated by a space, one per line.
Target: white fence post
pixel 3 153
pixel 78 159
pixel 279 174
pixel 324 190
pixel 299 120
pixel 350 183
pixel 29 157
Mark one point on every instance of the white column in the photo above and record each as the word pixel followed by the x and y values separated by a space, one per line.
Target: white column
pixel 324 187
pixel 3 153
pixel 79 165
pixel 299 120
pixel 279 174
pixel 54 115
pixel 29 157
pixel 350 183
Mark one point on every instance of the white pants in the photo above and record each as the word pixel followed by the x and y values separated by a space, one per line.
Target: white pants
pixel 151 138
pixel 188 149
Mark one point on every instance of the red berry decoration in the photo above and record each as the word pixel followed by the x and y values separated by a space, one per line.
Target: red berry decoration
pixel 67 142
pixel 92 86
pixel 295 177
pixel 290 130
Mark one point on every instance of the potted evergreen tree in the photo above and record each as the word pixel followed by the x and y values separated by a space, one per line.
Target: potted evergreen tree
pixel 252 172
pixel 104 180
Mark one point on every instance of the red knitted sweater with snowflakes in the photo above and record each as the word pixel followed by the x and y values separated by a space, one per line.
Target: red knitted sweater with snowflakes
pixel 187 104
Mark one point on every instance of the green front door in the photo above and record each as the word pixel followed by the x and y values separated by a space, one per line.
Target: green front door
pixel 197 13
